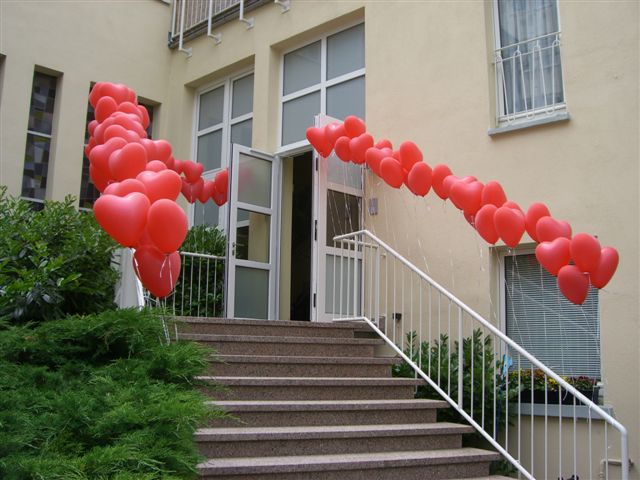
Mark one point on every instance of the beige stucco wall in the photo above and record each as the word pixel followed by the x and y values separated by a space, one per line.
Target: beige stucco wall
pixel 83 42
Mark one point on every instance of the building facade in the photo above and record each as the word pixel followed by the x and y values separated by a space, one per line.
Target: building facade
pixel 540 96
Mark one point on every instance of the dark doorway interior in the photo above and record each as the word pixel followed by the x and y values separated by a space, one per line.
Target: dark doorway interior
pixel 302 218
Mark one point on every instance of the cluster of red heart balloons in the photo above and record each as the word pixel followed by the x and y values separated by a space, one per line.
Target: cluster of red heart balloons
pixel 577 261
pixel 139 181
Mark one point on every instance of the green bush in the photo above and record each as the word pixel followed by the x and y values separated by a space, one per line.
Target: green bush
pixel 441 365
pixel 99 397
pixel 53 262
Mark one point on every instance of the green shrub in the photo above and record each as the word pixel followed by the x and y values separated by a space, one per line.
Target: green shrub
pixel 53 262
pixel 99 397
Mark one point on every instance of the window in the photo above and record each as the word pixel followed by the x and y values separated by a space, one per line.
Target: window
pixel 564 336
pixel 224 116
pixel 326 76
pixel 39 135
pixel 527 60
pixel 88 192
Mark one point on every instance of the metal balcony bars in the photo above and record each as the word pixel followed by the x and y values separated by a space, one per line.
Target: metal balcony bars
pixel 402 304
pixel 529 78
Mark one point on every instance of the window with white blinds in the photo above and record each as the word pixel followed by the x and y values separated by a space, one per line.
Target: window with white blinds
pixel 564 336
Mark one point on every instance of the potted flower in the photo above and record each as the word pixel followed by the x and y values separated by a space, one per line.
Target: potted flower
pixel 537 387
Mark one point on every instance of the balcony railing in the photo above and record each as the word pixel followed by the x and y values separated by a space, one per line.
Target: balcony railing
pixel 188 14
pixel 529 79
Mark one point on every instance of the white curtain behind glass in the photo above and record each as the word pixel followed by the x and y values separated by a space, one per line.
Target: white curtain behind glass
pixel 529 48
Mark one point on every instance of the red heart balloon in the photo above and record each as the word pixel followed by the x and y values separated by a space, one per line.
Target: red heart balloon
pixel 318 140
pixel 513 205
pixel 96 93
pixel 124 188
pixel 536 212
pixel 509 224
pixel 606 267
pixel 410 154
pixel 554 255
pixel 164 184
pixel 222 181
pixel 391 172
pixel 440 172
pixel 157 272
pixel 333 131
pixel 492 193
pixel 383 143
pixel 467 196
pixel 99 156
pixel 484 223
pixel 342 149
pixel 163 150
pixel 129 107
pixel 354 127
pixel 419 179
pixel 548 229
pixel 585 252
pixel 167 225
pixel 359 146
pixel 374 156
pixel 144 114
pixel 156 166
pixel 119 131
pixel 192 170
pixel 573 284
pixel 220 198
pixel 128 162
pixel 104 108
pixel 99 178
pixel 191 191
pixel 91 127
pixel 119 92
pixel 207 191
pixel 449 181
pixel 150 147
pixel 123 218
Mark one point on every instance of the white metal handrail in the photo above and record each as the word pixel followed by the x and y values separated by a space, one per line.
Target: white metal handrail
pixel 529 78
pixel 402 303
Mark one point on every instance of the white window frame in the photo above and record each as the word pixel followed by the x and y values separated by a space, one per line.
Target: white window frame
pixel 321 86
pixel 527 250
pixel 226 125
pixel 555 112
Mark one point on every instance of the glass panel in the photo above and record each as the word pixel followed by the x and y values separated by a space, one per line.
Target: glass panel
pixel 211 108
pixel 252 236
pixel 302 68
pixel 343 173
pixel 251 293
pixel 88 191
pixel 297 116
pixel 210 150
pixel 254 181
pixel 343 214
pixel 36 167
pixel 43 95
pixel 206 214
pixel 346 99
pixel 242 101
pixel 345 51
pixel 241 133
pixel 340 270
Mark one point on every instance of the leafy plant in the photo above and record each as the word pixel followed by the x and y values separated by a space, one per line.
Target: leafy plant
pixel 99 397
pixel 541 381
pixel 200 289
pixel 483 378
pixel 53 262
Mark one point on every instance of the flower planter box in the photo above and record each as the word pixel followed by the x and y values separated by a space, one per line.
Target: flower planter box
pixel 553 396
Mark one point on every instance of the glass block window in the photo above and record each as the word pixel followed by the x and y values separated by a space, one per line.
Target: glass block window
pixel 326 76
pixel 39 135
pixel 224 117
pixel 564 336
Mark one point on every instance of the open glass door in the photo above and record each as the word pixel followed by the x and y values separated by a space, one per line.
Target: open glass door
pixel 251 271
pixel 338 210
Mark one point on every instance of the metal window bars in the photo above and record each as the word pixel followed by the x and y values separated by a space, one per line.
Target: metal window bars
pixel 540 423
pixel 529 79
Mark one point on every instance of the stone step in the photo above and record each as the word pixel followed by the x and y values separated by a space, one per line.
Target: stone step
pixel 327 440
pixel 286 346
pixel 406 465
pixel 326 412
pixel 288 366
pixel 224 326
pixel 302 388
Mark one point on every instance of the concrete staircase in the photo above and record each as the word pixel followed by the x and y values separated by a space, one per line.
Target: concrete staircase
pixel 312 401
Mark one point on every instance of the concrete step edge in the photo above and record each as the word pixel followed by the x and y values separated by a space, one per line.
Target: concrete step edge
pixel 206 337
pixel 327 405
pixel 329 432
pixel 305 359
pixel 271 323
pixel 359 461
pixel 311 381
